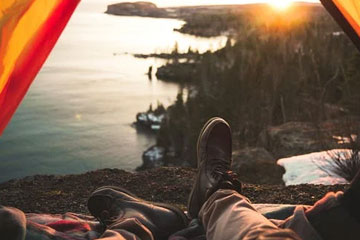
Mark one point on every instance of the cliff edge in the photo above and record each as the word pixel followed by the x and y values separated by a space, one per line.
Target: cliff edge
pixel 69 193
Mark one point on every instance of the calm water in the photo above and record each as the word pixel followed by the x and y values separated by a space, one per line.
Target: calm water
pixel 78 113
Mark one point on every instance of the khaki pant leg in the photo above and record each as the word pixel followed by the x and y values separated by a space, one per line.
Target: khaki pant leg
pixel 127 229
pixel 118 235
pixel 227 215
pixel 300 224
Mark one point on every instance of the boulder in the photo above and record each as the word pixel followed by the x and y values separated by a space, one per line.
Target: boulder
pixel 150 120
pixel 290 139
pixel 297 138
pixel 251 154
pixel 257 165
pixel 153 157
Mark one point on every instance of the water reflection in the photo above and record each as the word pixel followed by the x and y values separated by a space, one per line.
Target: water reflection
pixel 78 113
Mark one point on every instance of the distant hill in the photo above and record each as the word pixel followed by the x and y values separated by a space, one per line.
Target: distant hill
pixel 149 9
pixel 143 9
pixel 209 20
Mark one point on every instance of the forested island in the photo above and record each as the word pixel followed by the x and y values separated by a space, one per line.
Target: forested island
pixel 143 9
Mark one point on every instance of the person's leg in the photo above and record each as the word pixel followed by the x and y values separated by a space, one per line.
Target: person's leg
pixel 335 216
pixel 299 223
pixel 229 215
pixel 225 213
pixel 127 229
pixel 118 235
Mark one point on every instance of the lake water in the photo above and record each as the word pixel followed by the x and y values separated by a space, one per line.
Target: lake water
pixel 78 114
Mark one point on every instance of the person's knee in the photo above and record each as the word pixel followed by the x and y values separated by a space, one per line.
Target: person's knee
pixel 12 224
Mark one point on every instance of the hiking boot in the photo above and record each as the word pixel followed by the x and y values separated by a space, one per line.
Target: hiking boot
pixel 113 204
pixel 12 223
pixel 214 150
pixel 342 219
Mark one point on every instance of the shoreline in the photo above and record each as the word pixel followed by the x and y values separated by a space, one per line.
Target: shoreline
pixel 69 193
pixel 195 16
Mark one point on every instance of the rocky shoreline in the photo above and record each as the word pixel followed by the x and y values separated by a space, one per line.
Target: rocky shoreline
pixel 193 16
pixel 59 194
pixel 295 122
pixel 202 20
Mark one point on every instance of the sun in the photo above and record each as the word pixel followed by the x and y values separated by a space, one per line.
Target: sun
pixel 280 4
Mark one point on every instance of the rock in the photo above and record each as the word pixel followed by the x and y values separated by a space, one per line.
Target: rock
pixel 328 110
pixel 153 157
pixel 297 138
pixel 150 120
pixel 143 9
pixel 290 139
pixel 247 155
pixel 257 165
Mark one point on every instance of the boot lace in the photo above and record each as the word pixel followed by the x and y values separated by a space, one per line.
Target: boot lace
pixel 226 178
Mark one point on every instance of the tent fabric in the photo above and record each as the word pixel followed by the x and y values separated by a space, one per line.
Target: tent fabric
pixel 29 30
pixel 351 11
pixel 347 14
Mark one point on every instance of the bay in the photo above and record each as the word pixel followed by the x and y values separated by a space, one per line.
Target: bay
pixel 78 113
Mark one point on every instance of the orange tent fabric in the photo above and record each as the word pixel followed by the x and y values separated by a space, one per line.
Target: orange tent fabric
pixel 347 14
pixel 29 30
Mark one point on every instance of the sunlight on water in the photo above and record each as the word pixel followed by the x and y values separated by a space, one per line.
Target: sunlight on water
pixel 78 113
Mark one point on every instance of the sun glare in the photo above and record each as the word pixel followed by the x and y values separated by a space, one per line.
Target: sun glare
pixel 280 4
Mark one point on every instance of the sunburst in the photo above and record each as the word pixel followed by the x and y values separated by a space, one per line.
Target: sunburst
pixel 280 5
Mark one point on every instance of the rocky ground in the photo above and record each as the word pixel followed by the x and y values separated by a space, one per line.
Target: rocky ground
pixel 59 194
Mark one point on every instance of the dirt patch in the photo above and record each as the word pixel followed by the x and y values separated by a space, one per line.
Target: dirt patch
pixel 69 193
